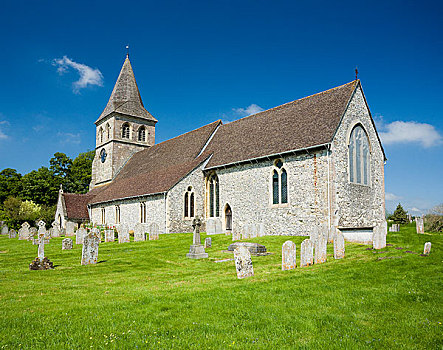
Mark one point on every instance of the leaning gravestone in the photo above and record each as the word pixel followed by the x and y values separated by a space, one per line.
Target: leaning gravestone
pixel 339 245
pixel 306 253
pixel 139 233
pixel 5 229
pixel 153 232
pixel 210 227
pixel 419 225
pixel 208 242
pixel 427 248
pixel 67 244
pixel 109 235
pixel 55 229
pixel 320 247
pixel 23 232
pixel 243 262
pixel 79 234
pixel 196 250
pixel 379 236
pixel 12 233
pixel 123 234
pixel 288 256
pixel 90 247
pixel 70 228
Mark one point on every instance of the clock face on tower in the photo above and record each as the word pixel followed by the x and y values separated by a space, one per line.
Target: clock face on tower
pixel 103 155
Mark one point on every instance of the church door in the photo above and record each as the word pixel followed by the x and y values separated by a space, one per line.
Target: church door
pixel 228 218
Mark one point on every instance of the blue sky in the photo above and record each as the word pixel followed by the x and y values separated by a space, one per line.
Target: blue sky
pixel 196 62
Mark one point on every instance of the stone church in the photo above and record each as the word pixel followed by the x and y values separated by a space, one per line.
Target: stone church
pixel 313 161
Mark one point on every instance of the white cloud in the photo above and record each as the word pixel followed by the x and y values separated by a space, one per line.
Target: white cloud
pixel 67 137
pixel 2 134
pixel 88 75
pixel 416 209
pixel 250 110
pixel 406 132
pixel 391 197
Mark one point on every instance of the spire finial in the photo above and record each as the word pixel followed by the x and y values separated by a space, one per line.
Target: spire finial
pixel 356 73
pixel 127 51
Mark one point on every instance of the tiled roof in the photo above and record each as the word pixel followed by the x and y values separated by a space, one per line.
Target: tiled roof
pixel 125 97
pixel 76 204
pixel 300 124
pixel 158 168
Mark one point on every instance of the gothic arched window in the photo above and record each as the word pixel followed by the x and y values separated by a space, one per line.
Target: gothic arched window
pixel 359 156
pixel 100 134
pixel 126 131
pixel 143 212
pixel 214 196
pixel 189 203
pixel 108 131
pixel 142 134
pixel 279 183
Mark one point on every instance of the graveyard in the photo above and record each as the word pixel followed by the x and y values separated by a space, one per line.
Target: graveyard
pixel 148 294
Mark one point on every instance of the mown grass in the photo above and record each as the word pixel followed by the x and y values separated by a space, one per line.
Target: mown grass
pixel 149 295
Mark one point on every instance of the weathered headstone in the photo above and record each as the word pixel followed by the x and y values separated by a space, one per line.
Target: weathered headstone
pixel 253 232
pixel 123 234
pixel 41 246
pixel 153 232
pixel 55 230
pixel 70 228
pixel 196 250
pixel 236 235
pixel 139 233
pixel 91 243
pixel 208 242
pixel 261 230
pixel 5 229
pixel 41 262
pixel 67 244
pixel 218 226
pixel 110 235
pixel 306 253
pixel 243 262
pixel 12 233
pixel 254 248
pixel 339 245
pixel 427 248
pixel 320 249
pixel 395 228
pixel 288 256
pixel 32 233
pixel 331 233
pixel 379 236
pixel 210 227
pixel 419 225
pixel 314 234
pixel 245 231
pixel 23 232
pixel 79 234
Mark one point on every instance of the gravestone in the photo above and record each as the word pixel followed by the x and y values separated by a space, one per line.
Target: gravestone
pixel 427 248
pixel 395 228
pixel 331 234
pixel 236 235
pixel 109 235
pixel 253 231
pixel 32 233
pixel 306 253
pixel 41 262
pixel 123 234
pixel 139 233
pixel 55 230
pixel 379 236
pixel 218 226
pixel 70 228
pixel 261 230
pixel 79 234
pixel 320 247
pixel 210 227
pixel 208 242
pixel 315 232
pixel 153 232
pixel 245 232
pixel 288 256
pixel 196 250
pixel 91 243
pixel 5 229
pixel 23 232
pixel 254 248
pixel 243 262
pixel 12 233
pixel 67 244
pixel 419 225
pixel 339 245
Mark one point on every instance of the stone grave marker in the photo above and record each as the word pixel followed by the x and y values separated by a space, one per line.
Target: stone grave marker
pixel 253 231
pixel 32 233
pixel 427 248
pixel 419 225
pixel 70 228
pixel 245 232
pixel 12 233
pixel 331 234
pixel 218 226
pixel 41 262
pixel 243 262
pixel 79 234
pixel 306 253
pixel 208 242
pixel 23 232
pixel 67 244
pixel 236 235
pixel 314 234
pixel 5 229
pixel 196 250
pixel 91 243
pixel 320 247
pixel 210 227
pixel 261 230
pixel 110 235
pixel 139 233
pixel 55 229
pixel 379 236
pixel 288 256
pixel 153 232
pixel 339 245
pixel 123 234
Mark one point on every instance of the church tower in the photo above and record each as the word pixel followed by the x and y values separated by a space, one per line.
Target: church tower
pixel 124 128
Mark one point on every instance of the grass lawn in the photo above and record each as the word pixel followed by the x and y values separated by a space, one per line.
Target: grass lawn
pixel 149 295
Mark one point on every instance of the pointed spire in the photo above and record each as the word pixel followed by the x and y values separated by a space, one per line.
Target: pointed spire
pixel 125 97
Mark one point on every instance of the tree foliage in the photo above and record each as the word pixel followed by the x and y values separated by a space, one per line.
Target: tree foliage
pixel 434 220
pixel 400 215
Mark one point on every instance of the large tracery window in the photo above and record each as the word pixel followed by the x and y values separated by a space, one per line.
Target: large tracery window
pixel 126 131
pixel 214 196
pixel 189 203
pixel 279 183
pixel 359 156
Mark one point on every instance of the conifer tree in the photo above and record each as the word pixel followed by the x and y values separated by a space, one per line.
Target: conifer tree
pixel 399 215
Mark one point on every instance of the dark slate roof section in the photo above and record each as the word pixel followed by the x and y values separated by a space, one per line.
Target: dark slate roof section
pixel 125 97
pixel 160 167
pixel 301 124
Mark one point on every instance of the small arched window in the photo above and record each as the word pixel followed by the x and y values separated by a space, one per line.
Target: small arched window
pixel 189 203
pixel 143 212
pixel 142 134
pixel 100 134
pixel 125 131
pixel 279 183
pixel 214 196
pixel 359 156
pixel 108 131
